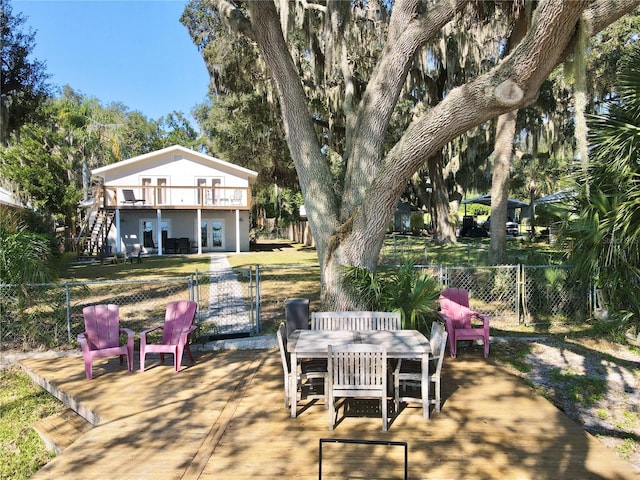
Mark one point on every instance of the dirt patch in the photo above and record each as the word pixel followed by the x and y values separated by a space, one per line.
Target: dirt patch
pixel 597 383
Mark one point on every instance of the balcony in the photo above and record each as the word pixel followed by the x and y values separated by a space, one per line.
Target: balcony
pixel 176 198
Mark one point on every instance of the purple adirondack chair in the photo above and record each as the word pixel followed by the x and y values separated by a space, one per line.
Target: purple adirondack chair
pixel 101 337
pixel 454 307
pixel 176 332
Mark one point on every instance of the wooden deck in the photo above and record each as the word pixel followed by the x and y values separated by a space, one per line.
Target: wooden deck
pixel 224 418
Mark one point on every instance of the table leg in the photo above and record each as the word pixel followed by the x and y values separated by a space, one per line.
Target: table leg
pixel 293 384
pixel 425 385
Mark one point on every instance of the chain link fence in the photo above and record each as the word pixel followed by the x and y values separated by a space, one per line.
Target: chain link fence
pixel 492 290
pixel 550 294
pixel 227 302
pixel 50 315
pixel 250 301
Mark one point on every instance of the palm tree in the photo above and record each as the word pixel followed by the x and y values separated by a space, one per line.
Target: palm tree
pixel 606 233
pixel 25 257
pixel 405 289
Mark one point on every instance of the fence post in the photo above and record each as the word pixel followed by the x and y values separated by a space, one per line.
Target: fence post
pixel 193 289
pixel 68 302
pixel 519 289
pixel 254 324
pixel 258 300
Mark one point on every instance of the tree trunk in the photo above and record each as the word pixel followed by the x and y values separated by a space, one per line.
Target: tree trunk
pixel 444 230
pixel 505 132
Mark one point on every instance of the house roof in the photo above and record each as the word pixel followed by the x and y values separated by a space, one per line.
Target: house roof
pixel 176 149
pixel 565 195
pixel 8 198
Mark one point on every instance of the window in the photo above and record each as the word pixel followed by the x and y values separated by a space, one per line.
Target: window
pixel 162 191
pixel 149 233
pixel 201 183
pixel 205 195
pixel 147 191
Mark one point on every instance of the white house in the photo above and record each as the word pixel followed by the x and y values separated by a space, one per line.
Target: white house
pixel 8 199
pixel 173 200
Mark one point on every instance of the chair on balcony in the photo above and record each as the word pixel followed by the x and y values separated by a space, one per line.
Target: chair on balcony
pixel 459 318
pixel 237 197
pixel 176 333
pixel 130 198
pixel 101 337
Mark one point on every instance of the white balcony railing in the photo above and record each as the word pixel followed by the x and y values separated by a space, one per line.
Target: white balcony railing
pixel 224 198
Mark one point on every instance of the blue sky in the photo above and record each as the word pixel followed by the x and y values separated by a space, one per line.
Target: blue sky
pixel 134 52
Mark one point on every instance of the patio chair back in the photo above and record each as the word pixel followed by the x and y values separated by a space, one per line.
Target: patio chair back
pixel 362 320
pixel 102 326
pixel 101 337
pixel 129 197
pixel 178 319
pixel 357 371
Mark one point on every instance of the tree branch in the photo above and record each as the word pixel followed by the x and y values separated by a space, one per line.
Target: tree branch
pixel 385 85
pixel 313 170
pixel 512 84
pixel 234 17
pixel 312 6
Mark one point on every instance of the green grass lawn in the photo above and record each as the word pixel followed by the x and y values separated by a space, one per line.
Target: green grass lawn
pixel 469 251
pixel 22 402
pixel 283 252
pixel 151 267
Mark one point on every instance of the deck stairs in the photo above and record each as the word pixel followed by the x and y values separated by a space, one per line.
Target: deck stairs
pixel 94 229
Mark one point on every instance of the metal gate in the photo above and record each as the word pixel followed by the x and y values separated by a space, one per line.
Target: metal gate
pixel 227 302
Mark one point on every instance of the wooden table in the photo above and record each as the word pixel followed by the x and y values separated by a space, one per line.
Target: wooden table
pixel 399 344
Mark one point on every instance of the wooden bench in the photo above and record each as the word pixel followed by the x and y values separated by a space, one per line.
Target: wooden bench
pixel 360 320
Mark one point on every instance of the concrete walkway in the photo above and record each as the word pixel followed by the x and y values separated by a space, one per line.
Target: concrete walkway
pixel 228 310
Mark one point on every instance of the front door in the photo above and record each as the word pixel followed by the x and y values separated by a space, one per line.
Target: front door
pixel 149 232
pixel 212 231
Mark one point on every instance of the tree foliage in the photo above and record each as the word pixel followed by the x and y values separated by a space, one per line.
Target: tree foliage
pixel 23 80
pixel 51 163
pixel 606 229
pixel 405 289
pixel 25 255
pixel 362 55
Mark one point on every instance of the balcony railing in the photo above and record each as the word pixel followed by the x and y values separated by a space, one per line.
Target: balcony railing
pixel 171 197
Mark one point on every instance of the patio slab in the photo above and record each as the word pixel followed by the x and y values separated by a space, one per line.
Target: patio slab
pixel 224 417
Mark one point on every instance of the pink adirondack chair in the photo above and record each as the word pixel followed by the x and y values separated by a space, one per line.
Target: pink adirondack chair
pixel 176 332
pixel 101 337
pixel 458 317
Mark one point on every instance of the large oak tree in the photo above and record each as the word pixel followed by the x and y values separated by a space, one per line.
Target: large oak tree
pixel 349 217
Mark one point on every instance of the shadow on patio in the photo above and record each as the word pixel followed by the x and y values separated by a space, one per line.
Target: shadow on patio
pixel 224 417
